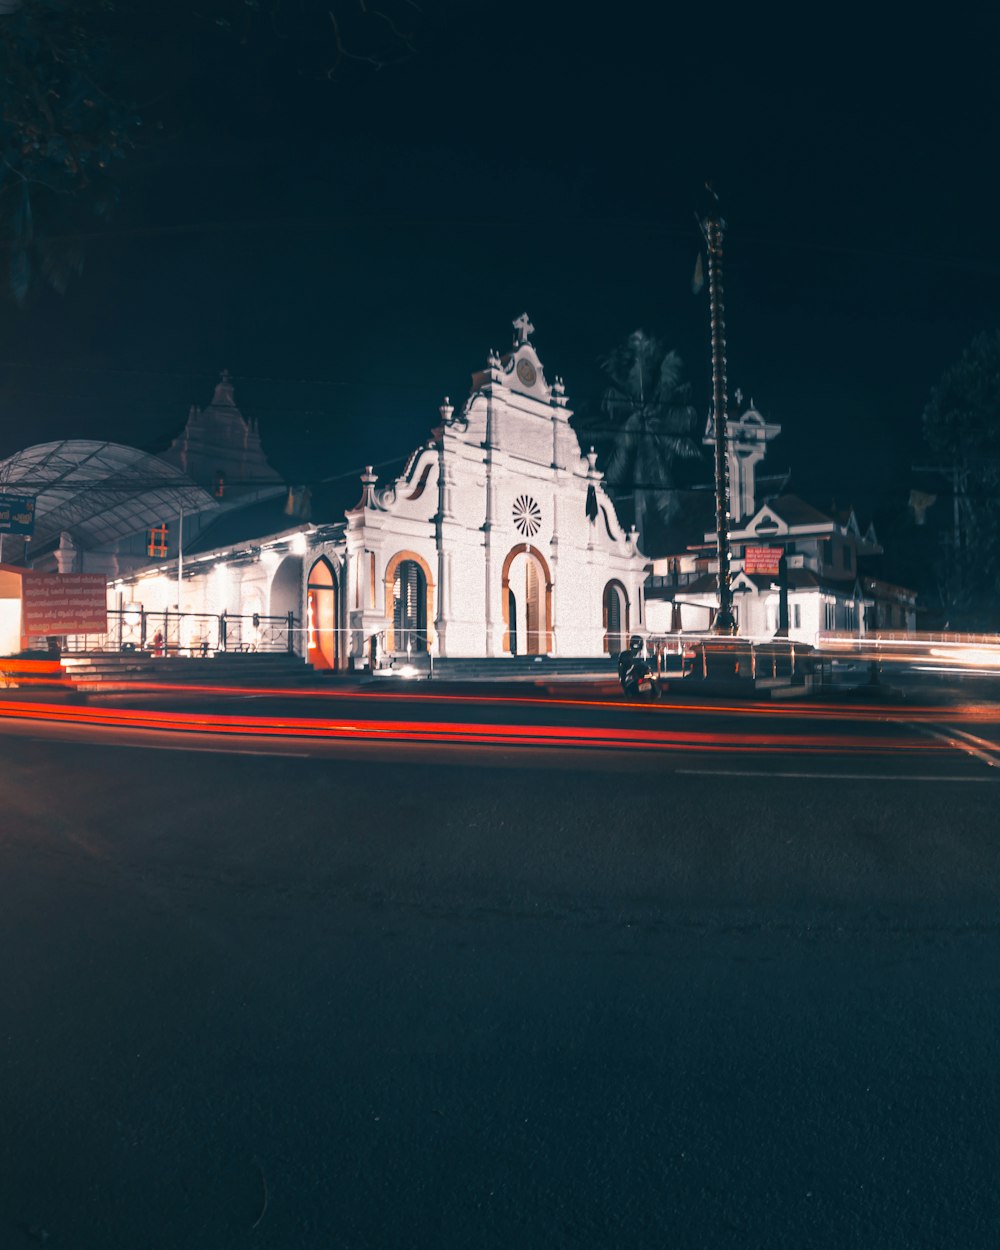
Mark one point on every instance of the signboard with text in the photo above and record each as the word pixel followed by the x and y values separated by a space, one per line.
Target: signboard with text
pixel 17 514
pixel 762 560
pixel 63 603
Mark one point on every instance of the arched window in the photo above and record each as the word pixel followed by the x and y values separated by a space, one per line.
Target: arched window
pixel 409 607
pixel 616 614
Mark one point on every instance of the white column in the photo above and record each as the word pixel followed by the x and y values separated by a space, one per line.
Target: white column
pixel 553 567
pixel 488 528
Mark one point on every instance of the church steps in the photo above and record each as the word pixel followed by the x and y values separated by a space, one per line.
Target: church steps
pixel 107 671
pixel 524 668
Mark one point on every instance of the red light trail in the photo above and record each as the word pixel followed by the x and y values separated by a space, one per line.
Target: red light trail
pixel 509 735
pixel 979 713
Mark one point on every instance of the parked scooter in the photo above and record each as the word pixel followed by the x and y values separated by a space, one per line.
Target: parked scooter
pixel 637 678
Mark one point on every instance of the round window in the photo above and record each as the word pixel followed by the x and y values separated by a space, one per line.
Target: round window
pixel 527 516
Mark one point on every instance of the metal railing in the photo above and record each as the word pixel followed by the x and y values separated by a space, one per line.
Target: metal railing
pixel 188 633
pixel 713 655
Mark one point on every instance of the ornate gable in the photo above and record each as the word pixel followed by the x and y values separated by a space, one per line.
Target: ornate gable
pixel 766 523
pixel 519 370
pixel 514 409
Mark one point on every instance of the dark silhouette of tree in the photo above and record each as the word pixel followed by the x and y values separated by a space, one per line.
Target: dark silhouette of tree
pixel 961 425
pixel 68 68
pixel 61 131
pixel 373 33
pixel 649 429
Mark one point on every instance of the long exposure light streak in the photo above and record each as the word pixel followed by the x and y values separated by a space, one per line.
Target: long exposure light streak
pixel 357 730
pixel 686 701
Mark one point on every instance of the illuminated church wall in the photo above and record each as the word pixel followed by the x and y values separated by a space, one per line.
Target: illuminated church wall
pixel 499 522
pixel 508 521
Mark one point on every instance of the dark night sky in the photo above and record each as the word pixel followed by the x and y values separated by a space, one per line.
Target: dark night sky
pixel 350 250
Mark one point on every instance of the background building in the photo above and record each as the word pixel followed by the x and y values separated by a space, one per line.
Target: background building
pixel 831 563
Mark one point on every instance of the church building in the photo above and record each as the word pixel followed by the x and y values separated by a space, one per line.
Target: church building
pixel 497 539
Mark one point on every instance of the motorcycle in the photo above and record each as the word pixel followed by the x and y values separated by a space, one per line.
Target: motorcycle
pixel 637 678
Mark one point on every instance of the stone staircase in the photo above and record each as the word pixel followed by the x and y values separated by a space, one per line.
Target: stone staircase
pixel 526 668
pixel 107 671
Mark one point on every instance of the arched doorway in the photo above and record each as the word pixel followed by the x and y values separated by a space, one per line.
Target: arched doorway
pixel 526 595
pixel 616 614
pixel 285 596
pixel 409 607
pixel 321 616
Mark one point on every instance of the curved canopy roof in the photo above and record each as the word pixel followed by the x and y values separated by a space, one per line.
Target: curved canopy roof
pixel 99 492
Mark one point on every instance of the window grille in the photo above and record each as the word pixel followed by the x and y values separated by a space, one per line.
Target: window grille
pixel 156 544
pixel 410 607
pixel 613 640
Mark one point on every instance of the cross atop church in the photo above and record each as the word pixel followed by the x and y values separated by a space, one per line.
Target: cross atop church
pixel 224 390
pixel 522 328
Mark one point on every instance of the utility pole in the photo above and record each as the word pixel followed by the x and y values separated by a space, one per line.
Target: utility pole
pixel 713 227
pixel 957 543
pixel 955 568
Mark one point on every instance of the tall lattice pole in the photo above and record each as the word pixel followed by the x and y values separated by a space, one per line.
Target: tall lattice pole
pixel 713 226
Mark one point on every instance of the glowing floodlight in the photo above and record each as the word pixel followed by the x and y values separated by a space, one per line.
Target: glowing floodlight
pixel 975 657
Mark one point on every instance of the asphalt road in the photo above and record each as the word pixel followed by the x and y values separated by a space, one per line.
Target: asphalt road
pixel 724 989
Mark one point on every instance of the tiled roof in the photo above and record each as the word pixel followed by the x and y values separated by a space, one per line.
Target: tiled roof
pixel 266 518
pixel 795 511
pixel 798 580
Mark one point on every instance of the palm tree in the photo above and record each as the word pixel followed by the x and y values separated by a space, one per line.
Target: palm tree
pixel 650 417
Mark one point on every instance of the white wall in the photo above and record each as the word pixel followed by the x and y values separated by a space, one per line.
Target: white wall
pixel 505 447
pixel 10 626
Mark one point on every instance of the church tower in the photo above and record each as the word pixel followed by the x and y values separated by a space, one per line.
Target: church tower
pixel 747 438
pixel 221 450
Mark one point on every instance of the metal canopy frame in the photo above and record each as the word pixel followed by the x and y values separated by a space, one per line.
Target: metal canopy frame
pixel 99 492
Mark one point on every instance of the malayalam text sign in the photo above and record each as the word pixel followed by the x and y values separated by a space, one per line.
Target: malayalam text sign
pixel 763 560
pixel 63 603
pixel 17 514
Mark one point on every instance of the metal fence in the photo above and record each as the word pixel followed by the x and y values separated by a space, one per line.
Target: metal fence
pixel 188 633
pixel 713 655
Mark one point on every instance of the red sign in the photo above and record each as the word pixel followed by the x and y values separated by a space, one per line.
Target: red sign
pixel 63 603
pixel 764 560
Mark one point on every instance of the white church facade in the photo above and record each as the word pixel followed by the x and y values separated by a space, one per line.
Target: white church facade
pixel 497 539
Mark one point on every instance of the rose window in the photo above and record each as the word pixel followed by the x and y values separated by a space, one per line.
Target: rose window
pixel 527 516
